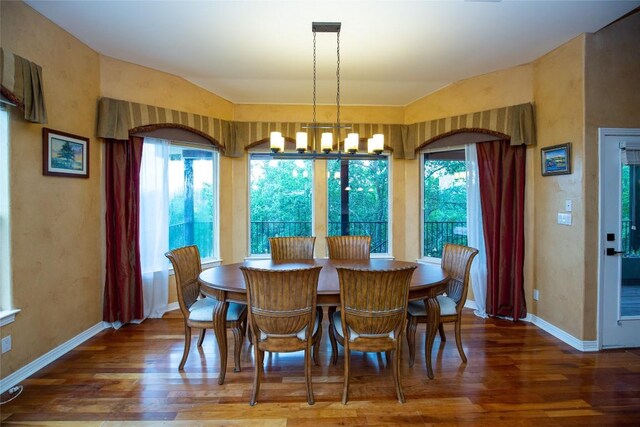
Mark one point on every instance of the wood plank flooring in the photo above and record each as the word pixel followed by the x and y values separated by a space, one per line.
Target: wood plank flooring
pixel 517 375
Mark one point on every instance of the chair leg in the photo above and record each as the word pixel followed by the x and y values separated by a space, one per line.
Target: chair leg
pixel 201 339
pixel 443 337
pixel 347 363
pixel 332 337
pixel 316 344
pixel 244 328
pixel 257 373
pixel 412 324
pixel 187 346
pixel 307 375
pixel 396 373
pixel 237 343
pixel 459 339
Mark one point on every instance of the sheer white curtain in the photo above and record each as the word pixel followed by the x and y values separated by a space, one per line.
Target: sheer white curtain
pixel 154 226
pixel 475 235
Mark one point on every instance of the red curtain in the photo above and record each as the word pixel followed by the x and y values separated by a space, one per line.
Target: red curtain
pixel 123 286
pixel 502 176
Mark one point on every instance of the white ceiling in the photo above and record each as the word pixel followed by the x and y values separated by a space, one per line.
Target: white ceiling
pixel 392 52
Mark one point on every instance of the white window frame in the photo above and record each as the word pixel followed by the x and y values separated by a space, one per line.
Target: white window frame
pixel 389 253
pixel 427 259
pixel 7 311
pixel 249 204
pixel 215 259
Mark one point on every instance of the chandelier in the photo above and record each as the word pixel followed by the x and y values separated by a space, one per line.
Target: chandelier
pixel 350 147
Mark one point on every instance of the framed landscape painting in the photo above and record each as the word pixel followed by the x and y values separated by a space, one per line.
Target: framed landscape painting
pixel 64 154
pixel 556 160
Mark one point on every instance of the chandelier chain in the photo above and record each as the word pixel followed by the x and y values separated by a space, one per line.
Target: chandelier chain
pixel 338 86
pixel 314 78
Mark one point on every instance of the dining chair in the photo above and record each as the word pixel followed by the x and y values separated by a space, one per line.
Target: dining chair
pixel 372 316
pixel 292 248
pixel 287 248
pixel 197 310
pixel 345 247
pixel 456 261
pixel 282 316
pixel 349 247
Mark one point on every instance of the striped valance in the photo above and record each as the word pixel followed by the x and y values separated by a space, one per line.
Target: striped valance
pixel 118 118
pixel 249 134
pixel 516 121
pixel 21 83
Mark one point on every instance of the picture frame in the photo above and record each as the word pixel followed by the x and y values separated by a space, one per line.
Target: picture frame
pixel 556 160
pixel 64 154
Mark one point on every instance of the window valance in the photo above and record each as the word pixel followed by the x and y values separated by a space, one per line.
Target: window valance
pixel 21 84
pixel 118 118
pixel 516 121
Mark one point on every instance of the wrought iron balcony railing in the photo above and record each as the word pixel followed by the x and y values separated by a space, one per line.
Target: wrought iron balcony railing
pixel 262 230
pixel 436 234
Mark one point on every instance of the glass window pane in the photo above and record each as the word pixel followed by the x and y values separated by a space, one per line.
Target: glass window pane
pixel 445 201
pixel 358 200
pixel 5 256
pixel 192 197
pixel 630 263
pixel 280 192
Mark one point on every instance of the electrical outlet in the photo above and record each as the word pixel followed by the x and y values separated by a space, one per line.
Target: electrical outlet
pixel 564 218
pixel 6 343
pixel 536 295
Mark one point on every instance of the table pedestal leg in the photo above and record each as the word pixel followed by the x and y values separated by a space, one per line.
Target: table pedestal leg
pixel 220 328
pixel 433 320
pixel 332 337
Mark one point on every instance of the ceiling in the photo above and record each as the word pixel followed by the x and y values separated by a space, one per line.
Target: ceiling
pixel 392 52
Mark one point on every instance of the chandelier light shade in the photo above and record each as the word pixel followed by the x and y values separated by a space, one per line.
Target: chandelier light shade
pixel 276 141
pixel 351 143
pixel 301 142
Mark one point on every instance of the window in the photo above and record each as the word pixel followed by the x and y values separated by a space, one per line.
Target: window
pixel 280 199
pixel 193 198
pixel 5 259
pixel 444 200
pixel 358 200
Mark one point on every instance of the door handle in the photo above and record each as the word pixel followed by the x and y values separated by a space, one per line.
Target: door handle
pixel 612 252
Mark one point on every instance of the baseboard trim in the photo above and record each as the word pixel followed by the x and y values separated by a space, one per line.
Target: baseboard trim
pixel 42 361
pixel 563 336
pixel 173 306
pixel 553 330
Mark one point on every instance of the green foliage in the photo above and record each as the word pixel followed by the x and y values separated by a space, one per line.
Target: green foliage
pixel 368 190
pixel 281 190
pixel 445 191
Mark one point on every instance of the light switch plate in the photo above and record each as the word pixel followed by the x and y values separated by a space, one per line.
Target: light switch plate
pixel 568 205
pixel 564 218
pixel 6 343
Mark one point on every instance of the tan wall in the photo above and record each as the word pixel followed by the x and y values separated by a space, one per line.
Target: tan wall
pixel 324 113
pixel 559 250
pixel 123 80
pixel 56 243
pixel 612 101
pixel 511 86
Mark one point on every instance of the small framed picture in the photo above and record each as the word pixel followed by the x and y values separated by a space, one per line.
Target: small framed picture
pixel 64 154
pixel 556 160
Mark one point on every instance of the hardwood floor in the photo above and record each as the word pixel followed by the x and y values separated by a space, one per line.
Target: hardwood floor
pixel 517 375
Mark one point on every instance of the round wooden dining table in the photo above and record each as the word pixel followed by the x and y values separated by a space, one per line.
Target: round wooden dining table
pixel 226 284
